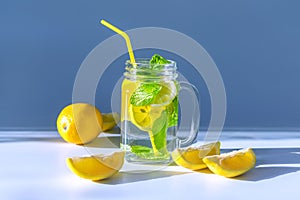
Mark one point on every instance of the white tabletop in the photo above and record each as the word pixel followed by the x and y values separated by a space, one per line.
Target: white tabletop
pixel 33 167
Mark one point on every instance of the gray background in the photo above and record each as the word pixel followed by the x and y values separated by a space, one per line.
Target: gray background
pixel 255 45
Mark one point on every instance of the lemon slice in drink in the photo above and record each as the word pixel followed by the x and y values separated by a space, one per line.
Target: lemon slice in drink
pixel 144 116
pixel 191 157
pixel 96 167
pixel 231 164
pixel 167 93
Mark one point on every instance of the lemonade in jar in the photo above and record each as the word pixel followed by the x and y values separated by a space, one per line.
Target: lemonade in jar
pixel 149 113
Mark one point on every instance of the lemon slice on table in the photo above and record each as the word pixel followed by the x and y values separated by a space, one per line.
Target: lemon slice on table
pixel 96 167
pixel 231 164
pixel 191 157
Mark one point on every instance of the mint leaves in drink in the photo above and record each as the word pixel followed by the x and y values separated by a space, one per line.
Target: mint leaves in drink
pixel 159 130
pixel 159 96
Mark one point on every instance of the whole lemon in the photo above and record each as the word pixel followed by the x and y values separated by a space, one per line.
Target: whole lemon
pixel 79 123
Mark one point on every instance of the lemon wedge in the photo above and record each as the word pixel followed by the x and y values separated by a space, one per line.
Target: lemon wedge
pixel 191 157
pixel 96 167
pixel 110 120
pixel 231 164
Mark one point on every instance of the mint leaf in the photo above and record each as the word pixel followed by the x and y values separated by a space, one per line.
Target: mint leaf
pixel 140 149
pixel 145 94
pixel 159 131
pixel 147 153
pixel 157 62
pixel 172 110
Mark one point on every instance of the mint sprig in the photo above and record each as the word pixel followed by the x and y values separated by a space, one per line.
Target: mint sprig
pixel 138 149
pixel 172 110
pixel 157 62
pixel 159 131
pixel 145 94
pixel 147 153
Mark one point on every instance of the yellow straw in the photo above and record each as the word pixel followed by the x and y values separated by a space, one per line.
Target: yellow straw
pixel 124 35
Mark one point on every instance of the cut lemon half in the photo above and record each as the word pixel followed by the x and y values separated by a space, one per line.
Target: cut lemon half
pixel 231 164
pixel 96 167
pixel 191 157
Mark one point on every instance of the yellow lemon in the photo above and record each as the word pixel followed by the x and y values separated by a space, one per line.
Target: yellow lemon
pixel 110 120
pixel 96 167
pixel 191 157
pixel 167 93
pixel 231 164
pixel 79 123
pixel 144 116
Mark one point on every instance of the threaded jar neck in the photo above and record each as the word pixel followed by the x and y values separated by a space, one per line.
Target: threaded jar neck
pixel 142 70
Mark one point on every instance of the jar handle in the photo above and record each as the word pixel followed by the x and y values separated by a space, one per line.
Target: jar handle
pixel 195 122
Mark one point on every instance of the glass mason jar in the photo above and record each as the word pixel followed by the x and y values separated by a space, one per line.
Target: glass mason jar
pixel 149 112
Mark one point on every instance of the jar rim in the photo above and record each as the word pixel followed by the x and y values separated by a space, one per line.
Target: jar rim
pixel 143 70
pixel 143 63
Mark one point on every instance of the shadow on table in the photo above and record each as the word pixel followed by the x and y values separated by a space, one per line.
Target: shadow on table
pixel 8 139
pixel 137 176
pixel 100 142
pixel 270 163
pixel 105 142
